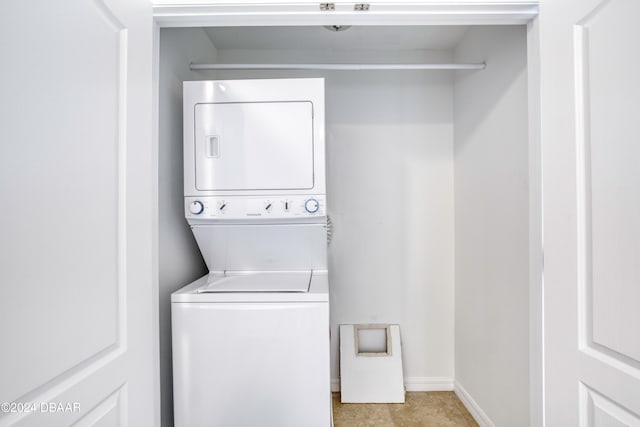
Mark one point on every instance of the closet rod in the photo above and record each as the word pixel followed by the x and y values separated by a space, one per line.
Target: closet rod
pixel 339 67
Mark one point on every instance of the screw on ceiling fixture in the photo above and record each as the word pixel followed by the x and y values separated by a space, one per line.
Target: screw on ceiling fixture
pixel 327 6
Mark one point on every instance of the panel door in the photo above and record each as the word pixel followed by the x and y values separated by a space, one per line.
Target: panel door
pixel 590 65
pixel 75 224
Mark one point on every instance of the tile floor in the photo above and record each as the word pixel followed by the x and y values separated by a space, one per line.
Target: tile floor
pixel 424 409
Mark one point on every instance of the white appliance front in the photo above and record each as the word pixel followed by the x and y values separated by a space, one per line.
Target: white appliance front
pixel 251 339
pixel 262 247
pixel 254 137
pixel 251 359
pixel 238 148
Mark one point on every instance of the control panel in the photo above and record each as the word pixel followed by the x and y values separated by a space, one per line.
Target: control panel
pixel 264 207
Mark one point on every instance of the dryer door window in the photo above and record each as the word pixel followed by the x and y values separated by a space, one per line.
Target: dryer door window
pixel 254 146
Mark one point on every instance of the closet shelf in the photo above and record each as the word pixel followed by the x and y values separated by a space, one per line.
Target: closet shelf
pixel 339 67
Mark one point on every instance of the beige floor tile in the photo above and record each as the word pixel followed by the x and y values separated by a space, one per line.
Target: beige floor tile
pixel 424 409
pixel 467 415
pixel 360 415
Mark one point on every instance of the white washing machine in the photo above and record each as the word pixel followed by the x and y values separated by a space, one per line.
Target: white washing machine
pixel 251 339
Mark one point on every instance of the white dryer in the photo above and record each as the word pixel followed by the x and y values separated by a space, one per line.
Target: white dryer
pixel 251 339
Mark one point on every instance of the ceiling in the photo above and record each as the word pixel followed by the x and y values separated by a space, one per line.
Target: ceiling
pixel 363 37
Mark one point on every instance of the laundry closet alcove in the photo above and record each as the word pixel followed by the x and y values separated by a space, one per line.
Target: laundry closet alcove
pixel 428 186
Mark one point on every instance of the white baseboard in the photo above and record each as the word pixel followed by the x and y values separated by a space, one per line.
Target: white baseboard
pixel 478 414
pixel 414 384
pixel 428 383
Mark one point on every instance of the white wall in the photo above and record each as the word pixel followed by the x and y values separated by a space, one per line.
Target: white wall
pixel 491 226
pixel 179 258
pixel 390 190
pixel 390 197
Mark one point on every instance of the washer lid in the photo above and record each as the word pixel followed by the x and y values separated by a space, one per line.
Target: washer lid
pixel 253 281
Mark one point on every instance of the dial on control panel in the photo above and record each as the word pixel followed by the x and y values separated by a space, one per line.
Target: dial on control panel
pixel 248 207
pixel 196 207
pixel 311 205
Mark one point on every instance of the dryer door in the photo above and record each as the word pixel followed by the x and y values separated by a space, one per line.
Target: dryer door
pixel 254 146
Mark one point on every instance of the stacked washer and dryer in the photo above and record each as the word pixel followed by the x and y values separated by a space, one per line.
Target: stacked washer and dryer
pixel 251 338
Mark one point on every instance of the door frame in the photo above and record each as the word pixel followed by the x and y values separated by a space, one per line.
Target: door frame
pixel 260 13
pixel 299 14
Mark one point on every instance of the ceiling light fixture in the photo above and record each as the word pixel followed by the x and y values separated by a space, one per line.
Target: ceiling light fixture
pixel 337 28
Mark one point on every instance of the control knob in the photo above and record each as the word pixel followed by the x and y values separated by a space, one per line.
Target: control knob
pixel 196 207
pixel 312 205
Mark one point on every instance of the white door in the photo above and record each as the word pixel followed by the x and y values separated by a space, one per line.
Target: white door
pixel 76 303
pixel 590 97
